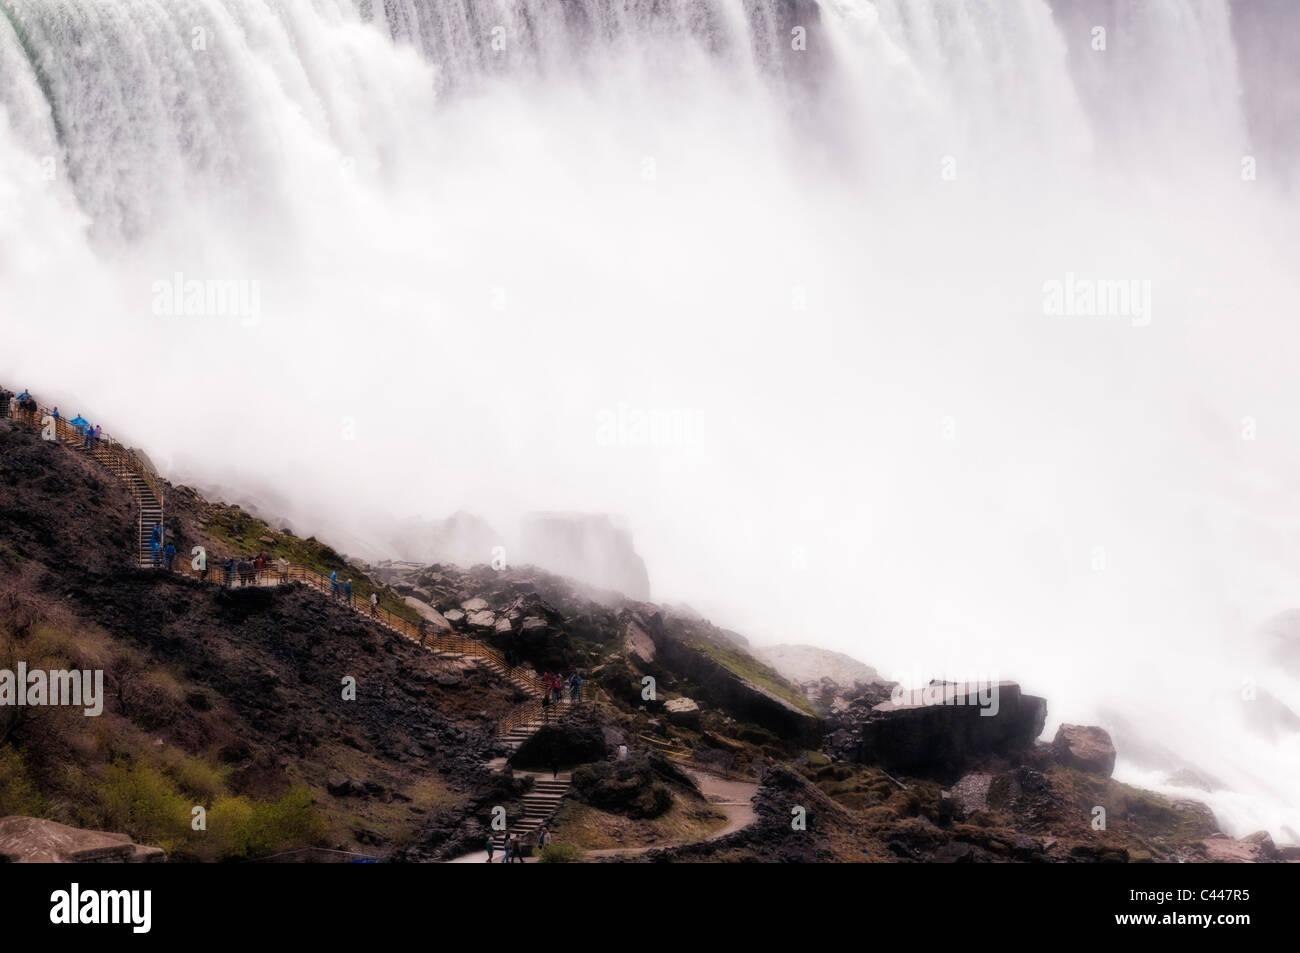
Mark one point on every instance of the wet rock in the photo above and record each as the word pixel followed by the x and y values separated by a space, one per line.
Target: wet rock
pixel 1085 748
pixel 683 712
pixel 1225 850
pixel 941 733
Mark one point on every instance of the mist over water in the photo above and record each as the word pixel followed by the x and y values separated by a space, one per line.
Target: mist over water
pixel 830 261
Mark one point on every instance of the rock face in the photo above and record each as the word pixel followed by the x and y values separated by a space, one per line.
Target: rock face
pixel 32 840
pixel 1085 749
pixel 587 547
pixel 941 738
pixel 829 680
pixel 687 648
pixel 462 538
pixel 808 663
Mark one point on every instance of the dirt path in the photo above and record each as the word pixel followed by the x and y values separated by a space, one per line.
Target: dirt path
pixel 733 798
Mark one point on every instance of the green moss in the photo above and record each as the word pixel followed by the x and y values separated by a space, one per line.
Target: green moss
pixel 749 668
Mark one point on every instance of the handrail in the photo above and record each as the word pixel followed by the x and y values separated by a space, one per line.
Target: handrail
pixel 105 443
pixel 120 458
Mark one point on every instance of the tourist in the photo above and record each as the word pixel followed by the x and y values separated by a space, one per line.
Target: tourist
pixel 374 605
pixel 490 847
pixel 169 556
pixel 546 708
pixel 347 592
pixel 334 583
pixel 80 423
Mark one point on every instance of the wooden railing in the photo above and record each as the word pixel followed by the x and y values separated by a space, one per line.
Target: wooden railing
pixel 431 637
pixel 120 458
pixel 105 447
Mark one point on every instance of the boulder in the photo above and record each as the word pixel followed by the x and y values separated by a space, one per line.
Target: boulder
pixel 947 728
pixel 34 840
pixel 346 787
pixel 482 620
pixel 682 711
pixel 630 788
pixel 474 605
pixel 1263 843
pixel 574 741
pixel 1249 850
pixel 717 669
pixel 1085 748
pixel 638 643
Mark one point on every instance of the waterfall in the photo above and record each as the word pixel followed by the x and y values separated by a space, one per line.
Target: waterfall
pixel 824 228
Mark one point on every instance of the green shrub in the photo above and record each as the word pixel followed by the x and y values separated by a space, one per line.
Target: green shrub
pixel 559 854
pixel 240 829
pixel 140 800
pixel 17 793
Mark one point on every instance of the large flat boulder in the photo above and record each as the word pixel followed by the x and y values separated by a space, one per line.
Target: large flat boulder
pixel 731 679
pixel 949 728
pixel 34 840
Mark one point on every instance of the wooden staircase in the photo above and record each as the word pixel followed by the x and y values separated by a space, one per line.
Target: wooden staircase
pixel 151 510
pixel 540 805
pixel 119 460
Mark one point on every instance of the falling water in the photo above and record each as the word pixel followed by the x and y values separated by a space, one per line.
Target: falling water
pixel 822 228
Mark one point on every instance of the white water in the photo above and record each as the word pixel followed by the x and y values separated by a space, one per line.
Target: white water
pixel 460 248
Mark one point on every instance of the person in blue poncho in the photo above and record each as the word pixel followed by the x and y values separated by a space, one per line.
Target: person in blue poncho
pixel 80 422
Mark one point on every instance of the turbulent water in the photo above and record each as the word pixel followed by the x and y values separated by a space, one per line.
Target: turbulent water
pixel 458 253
